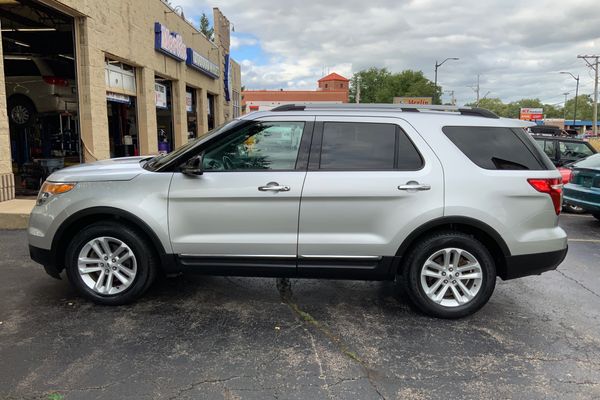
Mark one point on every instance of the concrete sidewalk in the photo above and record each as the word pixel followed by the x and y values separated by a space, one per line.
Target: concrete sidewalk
pixel 14 214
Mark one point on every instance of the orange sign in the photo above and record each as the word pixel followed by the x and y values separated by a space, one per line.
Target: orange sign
pixel 531 114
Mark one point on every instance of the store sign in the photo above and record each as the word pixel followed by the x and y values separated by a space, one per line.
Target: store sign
pixel 201 63
pixel 189 102
pixel 227 78
pixel 118 97
pixel 531 114
pixel 413 100
pixel 169 43
pixel 160 93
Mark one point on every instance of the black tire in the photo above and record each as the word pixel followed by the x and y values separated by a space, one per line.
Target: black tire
pixel 427 247
pixel 147 262
pixel 21 111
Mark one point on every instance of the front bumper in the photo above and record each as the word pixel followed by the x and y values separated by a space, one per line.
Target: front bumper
pixel 532 264
pixel 44 257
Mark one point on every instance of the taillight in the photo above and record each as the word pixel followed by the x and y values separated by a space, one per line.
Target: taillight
pixel 54 80
pixel 551 186
pixel 566 174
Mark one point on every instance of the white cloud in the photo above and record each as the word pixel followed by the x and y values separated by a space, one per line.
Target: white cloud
pixel 517 47
pixel 237 42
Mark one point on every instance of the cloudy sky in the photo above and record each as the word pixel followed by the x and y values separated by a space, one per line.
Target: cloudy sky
pixel 517 47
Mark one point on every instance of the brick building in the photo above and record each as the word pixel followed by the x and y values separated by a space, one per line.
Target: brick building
pixel 332 88
pixel 83 80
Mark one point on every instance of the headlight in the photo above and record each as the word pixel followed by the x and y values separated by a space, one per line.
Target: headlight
pixel 50 189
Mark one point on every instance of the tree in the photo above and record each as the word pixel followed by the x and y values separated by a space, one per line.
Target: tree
pixel 585 107
pixel 378 85
pixel 205 27
pixel 513 109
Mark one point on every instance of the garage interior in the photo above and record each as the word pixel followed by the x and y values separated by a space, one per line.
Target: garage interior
pixel 41 91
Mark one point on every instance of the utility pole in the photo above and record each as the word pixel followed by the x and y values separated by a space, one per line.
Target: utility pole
pixel 594 66
pixel 357 98
pixel 565 106
pixel 452 98
pixel 576 95
pixel 476 89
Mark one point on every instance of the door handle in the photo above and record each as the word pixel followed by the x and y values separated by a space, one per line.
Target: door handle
pixel 413 186
pixel 274 187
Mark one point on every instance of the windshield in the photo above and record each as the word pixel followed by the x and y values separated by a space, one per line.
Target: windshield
pixel 163 159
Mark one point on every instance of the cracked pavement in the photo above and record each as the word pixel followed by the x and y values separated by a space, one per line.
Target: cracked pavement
pixel 197 337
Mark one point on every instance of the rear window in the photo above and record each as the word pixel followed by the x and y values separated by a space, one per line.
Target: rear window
pixel 498 147
pixel 20 68
pixel 590 162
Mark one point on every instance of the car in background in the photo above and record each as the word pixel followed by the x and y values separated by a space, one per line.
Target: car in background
pixel 584 188
pixel 37 85
pixel 547 130
pixel 564 150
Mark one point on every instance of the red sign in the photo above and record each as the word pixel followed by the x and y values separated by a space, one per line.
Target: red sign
pixel 531 114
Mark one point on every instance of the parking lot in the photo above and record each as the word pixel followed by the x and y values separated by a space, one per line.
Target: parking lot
pixel 211 337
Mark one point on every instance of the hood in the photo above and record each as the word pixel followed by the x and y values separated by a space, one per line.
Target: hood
pixel 114 169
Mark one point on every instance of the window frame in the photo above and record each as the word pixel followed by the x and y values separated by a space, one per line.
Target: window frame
pixel 301 163
pixel 314 163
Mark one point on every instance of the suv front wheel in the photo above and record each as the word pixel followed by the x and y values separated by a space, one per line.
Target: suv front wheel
pixel 449 275
pixel 110 263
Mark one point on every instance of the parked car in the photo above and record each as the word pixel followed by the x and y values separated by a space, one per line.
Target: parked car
pixel 444 202
pixel 584 188
pixel 37 85
pixel 564 150
pixel 547 130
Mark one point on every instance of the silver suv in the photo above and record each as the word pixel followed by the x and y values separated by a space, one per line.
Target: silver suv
pixel 443 199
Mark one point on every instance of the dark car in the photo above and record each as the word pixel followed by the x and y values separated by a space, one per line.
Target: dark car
pixel 564 150
pixel 584 188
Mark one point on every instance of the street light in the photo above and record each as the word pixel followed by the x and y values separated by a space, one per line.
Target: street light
pixel 576 94
pixel 437 65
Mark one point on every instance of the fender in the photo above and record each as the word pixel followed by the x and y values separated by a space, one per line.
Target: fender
pixel 450 220
pixel 167 260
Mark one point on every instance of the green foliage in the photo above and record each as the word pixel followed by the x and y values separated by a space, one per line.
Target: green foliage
pixel 512 109
pixel 205 27
pixel 55 396
pixel 378 85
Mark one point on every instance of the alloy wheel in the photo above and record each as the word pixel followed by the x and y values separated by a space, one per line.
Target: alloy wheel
pixel 451 277
pixel 107 265
pixel 20 114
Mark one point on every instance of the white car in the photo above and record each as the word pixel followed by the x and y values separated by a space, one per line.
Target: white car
pixel 444 199
pixel 36 85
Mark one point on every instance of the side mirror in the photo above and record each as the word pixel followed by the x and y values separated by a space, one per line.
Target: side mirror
pixel 193 167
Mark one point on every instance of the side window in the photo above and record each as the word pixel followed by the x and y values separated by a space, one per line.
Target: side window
pixel 20 68
pixel 261 146
pixel 498 147
pixel 366 146
pixel 549 147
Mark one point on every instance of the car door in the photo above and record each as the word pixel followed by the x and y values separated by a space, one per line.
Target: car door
pixel 371 182
pixel 242 212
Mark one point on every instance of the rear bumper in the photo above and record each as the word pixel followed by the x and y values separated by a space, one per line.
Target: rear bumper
pixel 532 264
pixel 588 199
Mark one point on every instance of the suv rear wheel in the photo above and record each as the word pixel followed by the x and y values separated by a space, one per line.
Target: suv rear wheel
pixel 449 275
pixel 110 263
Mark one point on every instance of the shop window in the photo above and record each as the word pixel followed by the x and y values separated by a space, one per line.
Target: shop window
pixel 191 112
pixel 164 114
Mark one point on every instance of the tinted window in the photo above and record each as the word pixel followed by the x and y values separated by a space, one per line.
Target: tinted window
pixel 366 146
pixel 264 145
pixel 498 148
pixel 574 150
pixel 20 68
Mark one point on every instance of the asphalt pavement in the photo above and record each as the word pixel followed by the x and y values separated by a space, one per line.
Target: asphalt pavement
pixel 196 337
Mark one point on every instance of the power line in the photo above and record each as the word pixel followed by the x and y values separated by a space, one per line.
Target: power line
pixel 594 66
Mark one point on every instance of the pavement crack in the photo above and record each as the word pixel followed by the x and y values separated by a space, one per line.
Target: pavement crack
pixel 579 283
pixel 285 291
pixel 194 385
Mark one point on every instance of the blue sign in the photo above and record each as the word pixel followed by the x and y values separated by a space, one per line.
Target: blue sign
pixel 201 63
pixel 227 78
pixel 169 43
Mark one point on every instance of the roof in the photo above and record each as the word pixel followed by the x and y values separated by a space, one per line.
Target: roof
pixel 333 77
pixel 294 95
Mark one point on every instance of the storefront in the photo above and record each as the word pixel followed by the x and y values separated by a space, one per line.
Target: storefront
pixel 140 84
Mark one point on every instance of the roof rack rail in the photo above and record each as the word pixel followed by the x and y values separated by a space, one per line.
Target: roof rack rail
pixel 474 111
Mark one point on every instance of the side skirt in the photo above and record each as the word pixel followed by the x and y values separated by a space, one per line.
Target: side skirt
pixel 379 268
